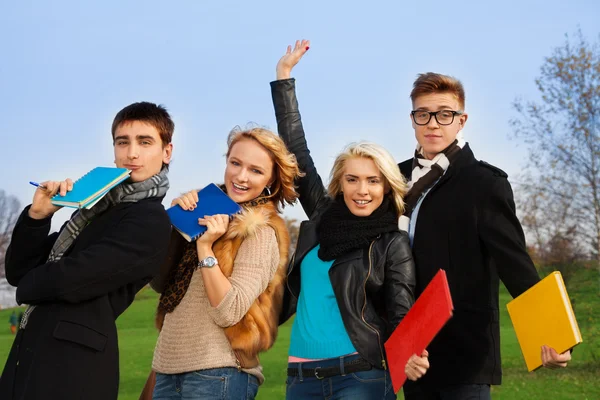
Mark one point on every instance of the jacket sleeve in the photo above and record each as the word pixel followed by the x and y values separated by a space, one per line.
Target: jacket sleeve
pixel 174 254
pixel 399 282
pixel 289 125
pixel 131 251
pixel 503 237
pixel 29 247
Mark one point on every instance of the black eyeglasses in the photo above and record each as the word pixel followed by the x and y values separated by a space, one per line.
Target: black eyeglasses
pixel 443 117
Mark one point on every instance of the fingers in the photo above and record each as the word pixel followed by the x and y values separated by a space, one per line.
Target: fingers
pixel 416 367
pixel 301 46
pixel 63 188
pixel 216 224
pixel 182 202
pixel 289 49
pixel 51 187
pixel 187 201
pixel 552 360
pixel 54 187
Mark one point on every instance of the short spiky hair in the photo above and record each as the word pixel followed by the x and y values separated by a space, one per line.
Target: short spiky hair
pixel 430 82
pixel 150 113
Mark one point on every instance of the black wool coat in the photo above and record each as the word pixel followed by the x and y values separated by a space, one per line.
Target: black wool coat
pixel 467 226
pixel 69 348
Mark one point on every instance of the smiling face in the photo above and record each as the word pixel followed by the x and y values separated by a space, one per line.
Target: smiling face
pixel 363 186
pixel 139 148
pixel 249 169
pixel 433 137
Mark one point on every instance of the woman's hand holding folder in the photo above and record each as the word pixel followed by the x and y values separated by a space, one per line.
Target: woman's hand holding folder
pixel 187 201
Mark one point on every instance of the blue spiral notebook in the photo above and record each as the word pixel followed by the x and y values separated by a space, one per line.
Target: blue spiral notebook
pixel 91 187
pixel 211 201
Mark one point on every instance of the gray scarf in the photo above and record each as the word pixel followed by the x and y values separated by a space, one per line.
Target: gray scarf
pixel 156 186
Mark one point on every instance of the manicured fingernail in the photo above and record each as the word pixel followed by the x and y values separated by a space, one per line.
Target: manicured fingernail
pixel 307 47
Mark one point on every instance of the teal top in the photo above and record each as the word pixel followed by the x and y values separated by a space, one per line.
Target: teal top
pixel 318 330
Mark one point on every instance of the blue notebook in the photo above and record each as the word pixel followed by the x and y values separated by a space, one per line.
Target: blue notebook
pixel 91 187
pixel 211 201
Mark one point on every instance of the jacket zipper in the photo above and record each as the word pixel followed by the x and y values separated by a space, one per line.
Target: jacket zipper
pixel 287 281
pixel 383 363
pixel 238 364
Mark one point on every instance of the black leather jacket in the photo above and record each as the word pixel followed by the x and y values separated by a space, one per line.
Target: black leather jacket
pixel 373 286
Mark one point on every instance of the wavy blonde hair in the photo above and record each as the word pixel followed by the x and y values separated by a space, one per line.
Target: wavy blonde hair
pixel 285 168
pixel 384 161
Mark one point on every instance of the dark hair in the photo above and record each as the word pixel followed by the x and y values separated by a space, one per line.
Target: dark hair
pixel 150 113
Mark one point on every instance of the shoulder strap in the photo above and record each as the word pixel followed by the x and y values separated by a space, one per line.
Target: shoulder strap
pixel 497 171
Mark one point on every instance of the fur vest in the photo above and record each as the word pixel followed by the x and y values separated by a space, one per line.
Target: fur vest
pixel 257 330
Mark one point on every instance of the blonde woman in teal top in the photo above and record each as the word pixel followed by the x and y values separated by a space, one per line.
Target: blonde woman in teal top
pixel 352 276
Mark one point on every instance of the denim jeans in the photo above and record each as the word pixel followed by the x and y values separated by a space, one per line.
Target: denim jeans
pixel 363 385
pixel 453 392
pixel 216 383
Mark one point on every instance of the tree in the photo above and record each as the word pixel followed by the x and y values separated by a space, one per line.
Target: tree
pixel 559 189
pixel 9 212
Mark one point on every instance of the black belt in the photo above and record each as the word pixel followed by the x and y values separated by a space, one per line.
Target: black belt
pixel 326 372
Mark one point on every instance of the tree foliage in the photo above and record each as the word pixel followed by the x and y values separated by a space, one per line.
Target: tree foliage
pixel 9 212
pixel 559 188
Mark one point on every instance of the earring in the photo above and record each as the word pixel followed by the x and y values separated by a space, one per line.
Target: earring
pixel 268 189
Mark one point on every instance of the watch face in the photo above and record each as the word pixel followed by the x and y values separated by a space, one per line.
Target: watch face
pixel 210 261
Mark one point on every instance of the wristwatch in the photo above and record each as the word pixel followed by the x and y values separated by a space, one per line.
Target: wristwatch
pixel 208 262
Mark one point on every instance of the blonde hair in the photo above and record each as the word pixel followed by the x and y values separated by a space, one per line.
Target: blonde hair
pixel 384 162
pixel 285 168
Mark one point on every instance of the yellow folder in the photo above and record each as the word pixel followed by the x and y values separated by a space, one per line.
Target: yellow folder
pixel 543 316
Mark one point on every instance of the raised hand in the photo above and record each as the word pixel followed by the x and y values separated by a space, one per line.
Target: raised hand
pixel 417 366
pixel 41 206
pixel 216 226
pixel 187 201
pixel 291 58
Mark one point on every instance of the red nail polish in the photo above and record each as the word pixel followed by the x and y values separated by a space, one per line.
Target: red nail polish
pixel 307 47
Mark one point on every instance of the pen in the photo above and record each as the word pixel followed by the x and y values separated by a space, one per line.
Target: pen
pixel 37 185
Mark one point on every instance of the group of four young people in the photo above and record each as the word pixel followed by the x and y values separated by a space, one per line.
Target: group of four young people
pixel 360 261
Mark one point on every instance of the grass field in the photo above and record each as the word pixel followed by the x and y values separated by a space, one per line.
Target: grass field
pixel 580 381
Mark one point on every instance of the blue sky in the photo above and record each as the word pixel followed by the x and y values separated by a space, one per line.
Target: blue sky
pixel 68 67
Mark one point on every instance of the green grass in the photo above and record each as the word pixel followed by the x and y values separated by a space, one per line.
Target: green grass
pixel 581 380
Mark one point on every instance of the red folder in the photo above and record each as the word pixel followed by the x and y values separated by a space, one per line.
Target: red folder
pixel 417 329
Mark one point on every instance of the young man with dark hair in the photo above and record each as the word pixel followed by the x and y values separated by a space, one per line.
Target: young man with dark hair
pixel 79 280
pixel 460 216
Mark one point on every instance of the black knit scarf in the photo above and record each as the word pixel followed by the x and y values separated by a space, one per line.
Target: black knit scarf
pixel 340 231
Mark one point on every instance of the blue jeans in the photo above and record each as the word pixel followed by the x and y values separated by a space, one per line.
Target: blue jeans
pixel 363 385
pixel 453 392
pixel 216 383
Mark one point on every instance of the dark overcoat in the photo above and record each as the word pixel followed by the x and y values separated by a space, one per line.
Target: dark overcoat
pixel 69 348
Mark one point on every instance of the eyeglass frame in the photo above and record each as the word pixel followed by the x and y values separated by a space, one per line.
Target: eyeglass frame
pixel 434 114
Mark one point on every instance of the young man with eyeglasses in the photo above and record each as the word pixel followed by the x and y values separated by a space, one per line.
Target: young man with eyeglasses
pixel 460 216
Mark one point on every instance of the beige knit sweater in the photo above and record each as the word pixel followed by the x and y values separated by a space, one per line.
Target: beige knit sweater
pixel 192 337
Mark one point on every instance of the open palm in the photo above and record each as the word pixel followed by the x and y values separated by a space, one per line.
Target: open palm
pixel 291 58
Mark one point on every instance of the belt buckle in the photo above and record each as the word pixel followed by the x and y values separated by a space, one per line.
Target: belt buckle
pixel 317 373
